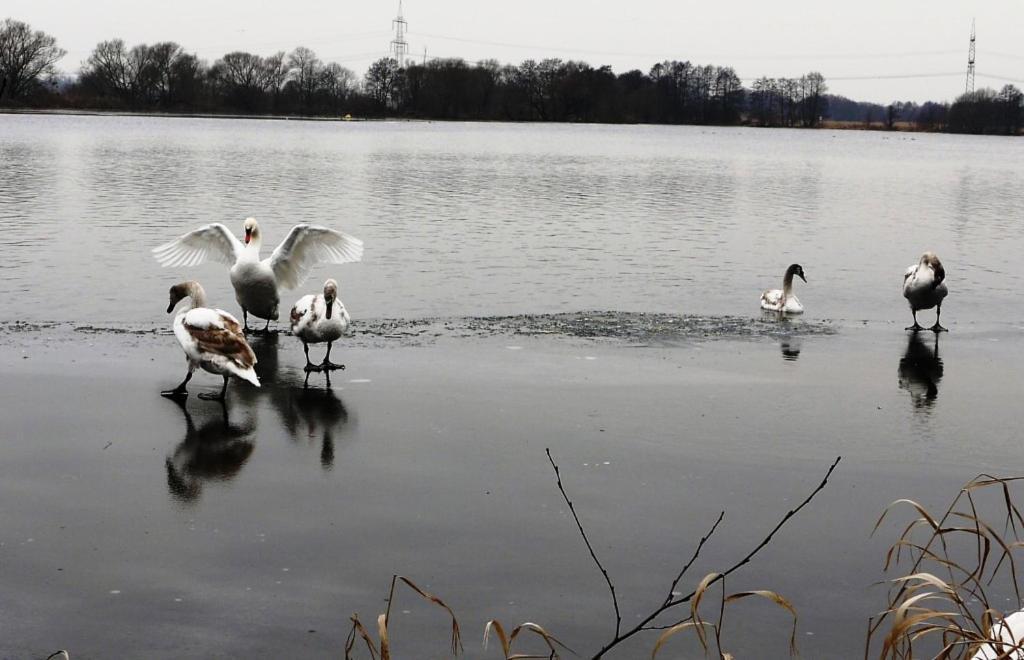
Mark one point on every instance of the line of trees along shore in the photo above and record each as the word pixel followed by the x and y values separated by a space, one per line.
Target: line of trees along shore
pixel 165 77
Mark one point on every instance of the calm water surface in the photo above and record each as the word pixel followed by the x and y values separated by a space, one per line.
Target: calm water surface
pixel 478 219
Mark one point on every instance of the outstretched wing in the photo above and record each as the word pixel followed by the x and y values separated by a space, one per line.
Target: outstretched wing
pixel 214 241
pixel 306 246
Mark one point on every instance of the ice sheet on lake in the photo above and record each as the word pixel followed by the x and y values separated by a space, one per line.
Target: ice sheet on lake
pixel 634 328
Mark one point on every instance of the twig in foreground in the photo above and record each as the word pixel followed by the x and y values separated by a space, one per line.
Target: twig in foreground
pixel 670 602
pixel 583 533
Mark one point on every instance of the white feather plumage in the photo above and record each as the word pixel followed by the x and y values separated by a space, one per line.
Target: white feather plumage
pixel 257 282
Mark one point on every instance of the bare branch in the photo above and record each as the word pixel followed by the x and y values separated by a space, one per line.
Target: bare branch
pixel 693 558
pixel 583 533
pixel 670 602
pixel 768 538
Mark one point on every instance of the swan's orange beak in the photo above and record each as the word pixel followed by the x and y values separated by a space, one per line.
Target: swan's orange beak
pixel 248 236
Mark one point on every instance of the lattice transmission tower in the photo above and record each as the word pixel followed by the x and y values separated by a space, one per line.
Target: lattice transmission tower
pixel 399 46
pixel 970 61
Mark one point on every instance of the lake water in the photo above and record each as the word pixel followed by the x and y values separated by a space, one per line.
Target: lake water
pixel 134 527
pixel 481 219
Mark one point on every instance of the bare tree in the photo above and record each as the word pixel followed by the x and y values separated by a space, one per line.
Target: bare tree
pixel 188 80
pixel 1011 100
pixel 337 84
pixel 869 117
pixel 380 81
pixel 107 68
pixel 112 69
pixel 275 73
pixel 892 114
pixel 163 58
pixel 814 99
pixel 242 78
pixel 304 71
pixel 25 57
pixel 239 69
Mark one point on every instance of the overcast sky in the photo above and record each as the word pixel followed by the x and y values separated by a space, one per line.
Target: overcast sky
pixel 855 44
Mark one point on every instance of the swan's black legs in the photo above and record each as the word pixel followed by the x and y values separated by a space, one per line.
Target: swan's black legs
pixel 327 377
pixel 250 331
pixel 309 365
pixel 180 389
pixel 916 326
pixel 938 328
pixel 206 396
pixel 327 364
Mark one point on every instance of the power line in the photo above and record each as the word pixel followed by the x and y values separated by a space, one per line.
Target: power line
pixel 878 76
pixel 1000 54
pixel 793 56
pixel 356 56
pixel 332 39
pixel 1003 78
pixel 354 36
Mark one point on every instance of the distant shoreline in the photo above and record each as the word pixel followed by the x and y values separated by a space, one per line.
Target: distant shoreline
pixel 826 124
pixel 182 115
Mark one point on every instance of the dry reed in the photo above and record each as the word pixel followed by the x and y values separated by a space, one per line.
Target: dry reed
pixel 952 616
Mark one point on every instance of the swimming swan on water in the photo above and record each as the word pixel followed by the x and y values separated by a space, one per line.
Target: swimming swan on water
pixel 924 287
pixel 257 282
pixel 320 318
pixel 212 340
pixel 783 300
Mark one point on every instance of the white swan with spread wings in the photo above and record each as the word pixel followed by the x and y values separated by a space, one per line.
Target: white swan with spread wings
pixel 256 281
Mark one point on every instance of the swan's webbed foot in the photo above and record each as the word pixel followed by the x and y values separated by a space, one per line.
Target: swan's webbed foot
pixel 327 365
pixel 219 396
pixel 310 367
pixel 266 331
pixel 179 392
pixel 938 328
pixel 916 327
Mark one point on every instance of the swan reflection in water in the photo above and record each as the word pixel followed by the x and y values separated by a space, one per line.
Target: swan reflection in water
pixel 920 371
pixel 310 414
pixel 790 343
pixel 791 346
pixel 316 415
pixel 214 450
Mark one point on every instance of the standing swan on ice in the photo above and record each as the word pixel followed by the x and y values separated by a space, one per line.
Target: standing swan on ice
pixel 320 318
pixel 783 300
pixel 924 287
pixel 256 282
pixel 212 340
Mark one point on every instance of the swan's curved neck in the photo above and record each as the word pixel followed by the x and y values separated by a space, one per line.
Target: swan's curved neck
pixel 197 294
pixel 787 284
pixel 252 248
